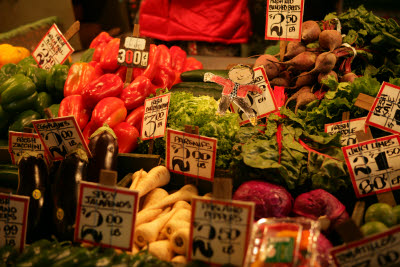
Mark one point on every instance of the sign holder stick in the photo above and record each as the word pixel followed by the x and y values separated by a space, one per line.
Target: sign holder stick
pixel 282 49
pixel 74 29
pixel 108 177
pixel 191 130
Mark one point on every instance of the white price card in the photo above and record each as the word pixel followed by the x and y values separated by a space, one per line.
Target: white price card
pixel 133 52
pixel 380 250
pixel 347 129
pixel 155 116
pixel 191 155
pixel 385 112
pixel 13 220
pixel 106 215
pixel 262 104
pixel 374 165
pixel 60 136
pixel 20 143
pixel 220 231
pixel 284 19
pixel 52 49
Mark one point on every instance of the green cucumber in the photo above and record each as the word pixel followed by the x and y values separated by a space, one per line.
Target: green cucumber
pixel 9 179
pixel 198 75
pixel 199 88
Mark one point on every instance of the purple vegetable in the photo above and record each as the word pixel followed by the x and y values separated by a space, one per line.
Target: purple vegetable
pixel 270 200
pixel 323 247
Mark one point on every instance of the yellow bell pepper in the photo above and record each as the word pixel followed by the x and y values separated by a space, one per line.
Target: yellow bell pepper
pixel 12 54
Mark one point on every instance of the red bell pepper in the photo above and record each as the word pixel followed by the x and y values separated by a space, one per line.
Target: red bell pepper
pixel 178 58
pixel 103 37
pixel 192 64
pixel 165 77
pixel 79 75
pixel 110 110
pixel 89 129
pixel 105 86
pixel 74 105
pixel 135 118
pixel 136 92
pixel 108 59
pixel 127 137
pixel 151 69
pixel 97 68
pixel 121 72
pixel 98 51
pixel 163 57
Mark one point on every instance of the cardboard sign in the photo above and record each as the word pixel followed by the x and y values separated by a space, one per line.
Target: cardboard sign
pixel 133 52
pixel 155 116
pixel 385 112
pixel 20 143
pixel 374 165
pixel 60 136
pixel 13 220
pixel 284 19
pixel 263 104
pixel 382 249
pixel 106 215
pixel 347 129
pixel 220 231
pixel 191 155
pixel 52 49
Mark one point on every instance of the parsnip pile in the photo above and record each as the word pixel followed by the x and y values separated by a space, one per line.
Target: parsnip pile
pixel 163 220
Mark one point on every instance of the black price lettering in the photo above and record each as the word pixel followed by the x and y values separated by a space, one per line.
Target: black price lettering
pixel 114 219
pixel 395 151
pixel 59 147
pixel 10 242
pixel 380 182
pixel 388 259
pixel 10 229
pixel 205 233
pixel 291 18
pixel 361 167
pixel 228 250
pixel 228 234
pixel 152 127
pixel 88 229
pixel 365 187
pixel 198 155
pixel 381 161
pixel 396 181
pixel 366 263
pixel 180 161
pixel 351 141
pixel 276 27
pixel 67 134
pixel 137 57
pixel 115 232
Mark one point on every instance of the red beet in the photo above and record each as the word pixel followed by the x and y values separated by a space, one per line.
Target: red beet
pixel 324 63
pixel 310 31
pixel 268 61
pixel 323 76
pixel 279 82
pixel 294 48
pixel 304 79
pixel 330 39
pixel 303 61
pixel 348 77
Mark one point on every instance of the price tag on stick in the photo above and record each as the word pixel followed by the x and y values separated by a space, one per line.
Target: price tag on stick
pixel 20 143
pixel 60 136
pixel 347 129
pixel 284 20
pixel 155 116
pixel 220 231
pixel 13 220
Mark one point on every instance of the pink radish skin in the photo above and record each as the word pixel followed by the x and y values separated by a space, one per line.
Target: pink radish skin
pixel 310 31
pixel 303 61
pixel 323 76
pixel 348 77
pixel 268 61
pixel 279 82
pixel 294 48
pixel 330 39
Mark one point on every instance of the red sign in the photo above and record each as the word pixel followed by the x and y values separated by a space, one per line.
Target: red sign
pixel 155 116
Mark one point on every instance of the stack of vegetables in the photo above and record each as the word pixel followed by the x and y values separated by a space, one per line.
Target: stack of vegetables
pixel 95 93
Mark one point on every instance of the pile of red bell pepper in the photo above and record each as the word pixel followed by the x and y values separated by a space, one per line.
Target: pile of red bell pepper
pixel 95 92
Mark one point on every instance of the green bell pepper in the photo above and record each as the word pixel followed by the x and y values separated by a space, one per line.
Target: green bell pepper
pixel 7 71
pixel 43 101
pixel 3 122
pixel 55 81
pixel 54 110
pixel 23 120
pixel 27 61
pixel 18 93
pixel 37 75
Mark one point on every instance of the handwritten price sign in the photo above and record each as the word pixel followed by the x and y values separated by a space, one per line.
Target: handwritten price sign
pixel 191 155
pixel 60 136
pixel 263 104
pixel 347 129
pixel 374 165
pixel 155 117
pixel 381 250
pixel 284 19
pixel 106 216
pixel 20 143
pixel 52 49
pixel 13 220
pixel 220 231
pixel 133 52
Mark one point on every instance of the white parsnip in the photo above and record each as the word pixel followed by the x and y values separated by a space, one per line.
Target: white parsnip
pixel 161 249
pixel 181 204
pixel 186 193
pixel 156 177
pixel 173 225
pixel 180 241
pixel 154 196
pixel 145 216
pixel 136 177
pixel 179 259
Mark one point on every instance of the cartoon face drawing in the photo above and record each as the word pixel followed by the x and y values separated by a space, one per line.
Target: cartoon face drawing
pixel 241 74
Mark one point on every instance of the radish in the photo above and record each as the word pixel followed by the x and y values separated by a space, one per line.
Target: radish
pixel 294 48
pixel 324 63
pixel 324 76
pixel 330 39
pixel 348 77
pixel 268 61
pixel 279 82
pixel 310 31
pixel 303 61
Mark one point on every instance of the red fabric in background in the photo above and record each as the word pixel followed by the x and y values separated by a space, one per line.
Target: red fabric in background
pixel 221 21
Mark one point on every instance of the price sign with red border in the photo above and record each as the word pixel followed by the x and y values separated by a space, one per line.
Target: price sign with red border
pixel 134 52
pixel 60 136
pixel 106 216
pixel 52 49
pixel 379 250
pixel 347 129
pixel 374 165
pixel 385 112
pixel 191 155
pixel 155 116
pixel 20 143
pixel 263 104
pixel 284 20
pixel 13 220
pixel 220 231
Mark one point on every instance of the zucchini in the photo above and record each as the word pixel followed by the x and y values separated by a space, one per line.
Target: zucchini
pixel 199 88
pixel 198 75
pixel 9 179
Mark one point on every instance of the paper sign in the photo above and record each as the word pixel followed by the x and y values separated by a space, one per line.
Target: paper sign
pixel 385 112
pixel 380 250
pixel 220 231
pixel 133 52
pixel 106 215
pixel 155 116
pixel 374 165
pixel 60 136
pixel 347 129
pixel 284 19
pixel 52 49
pixel 263 104
pixel 191 155
pixel 13 220
pixel 20 143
